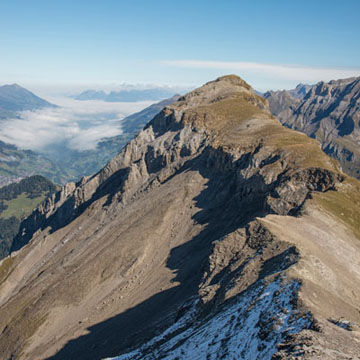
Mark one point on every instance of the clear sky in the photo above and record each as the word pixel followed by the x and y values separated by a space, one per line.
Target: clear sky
pixel 271 44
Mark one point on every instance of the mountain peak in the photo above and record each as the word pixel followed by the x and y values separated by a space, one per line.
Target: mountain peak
pixel 14 97
pixel 216 107
pixel 12 87
pixel 15 86
pixel 224 87
pixel 234 80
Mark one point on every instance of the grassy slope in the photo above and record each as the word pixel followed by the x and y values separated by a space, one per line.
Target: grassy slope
pixel 21 206
pixel 244 120
pixel 343 204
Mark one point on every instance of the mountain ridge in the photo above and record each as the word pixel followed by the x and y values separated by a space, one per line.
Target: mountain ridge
pixel 185 222
pixel 127 95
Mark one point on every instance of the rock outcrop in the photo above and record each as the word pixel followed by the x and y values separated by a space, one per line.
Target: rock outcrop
pixel 213 234
pixel 330 113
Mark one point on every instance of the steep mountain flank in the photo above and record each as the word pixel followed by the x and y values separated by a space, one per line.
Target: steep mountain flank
pixel 213 234
pixel 330 112
pixel 282 103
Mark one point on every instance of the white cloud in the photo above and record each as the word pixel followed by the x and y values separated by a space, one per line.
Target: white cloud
pixel 296 73
pixel 78 125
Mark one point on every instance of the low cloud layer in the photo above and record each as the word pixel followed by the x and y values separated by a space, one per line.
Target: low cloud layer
pixel 77 125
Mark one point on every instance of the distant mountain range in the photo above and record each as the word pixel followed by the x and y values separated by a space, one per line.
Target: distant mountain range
pixel 329 112
pixel 281 100
pixel 127 95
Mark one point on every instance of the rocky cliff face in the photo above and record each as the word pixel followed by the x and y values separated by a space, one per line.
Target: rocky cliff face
pixel 213 234
pixel 300 91
pixel 330 113
pixel 286 101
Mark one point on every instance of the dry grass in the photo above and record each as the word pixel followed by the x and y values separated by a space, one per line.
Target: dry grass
pixel 344 204
pixel 5 269
pixel 225 118
pixel 26 316
pixel 225 114
pixel 235 80
pixel 304 151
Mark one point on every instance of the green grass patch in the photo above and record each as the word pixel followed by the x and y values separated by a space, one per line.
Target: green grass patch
pixel 21 206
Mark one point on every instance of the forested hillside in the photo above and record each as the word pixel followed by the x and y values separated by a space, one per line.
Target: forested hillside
pixel 17 200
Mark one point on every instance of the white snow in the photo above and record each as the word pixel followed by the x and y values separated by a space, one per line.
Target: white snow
pixel 249 328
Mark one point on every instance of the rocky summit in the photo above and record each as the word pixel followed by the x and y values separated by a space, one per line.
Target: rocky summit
pixel 329 112
pixel 216 233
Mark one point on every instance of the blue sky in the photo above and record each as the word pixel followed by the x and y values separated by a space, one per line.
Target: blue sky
pixel 271 44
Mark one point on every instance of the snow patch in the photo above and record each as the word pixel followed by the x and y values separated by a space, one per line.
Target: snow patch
pixel 248 328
